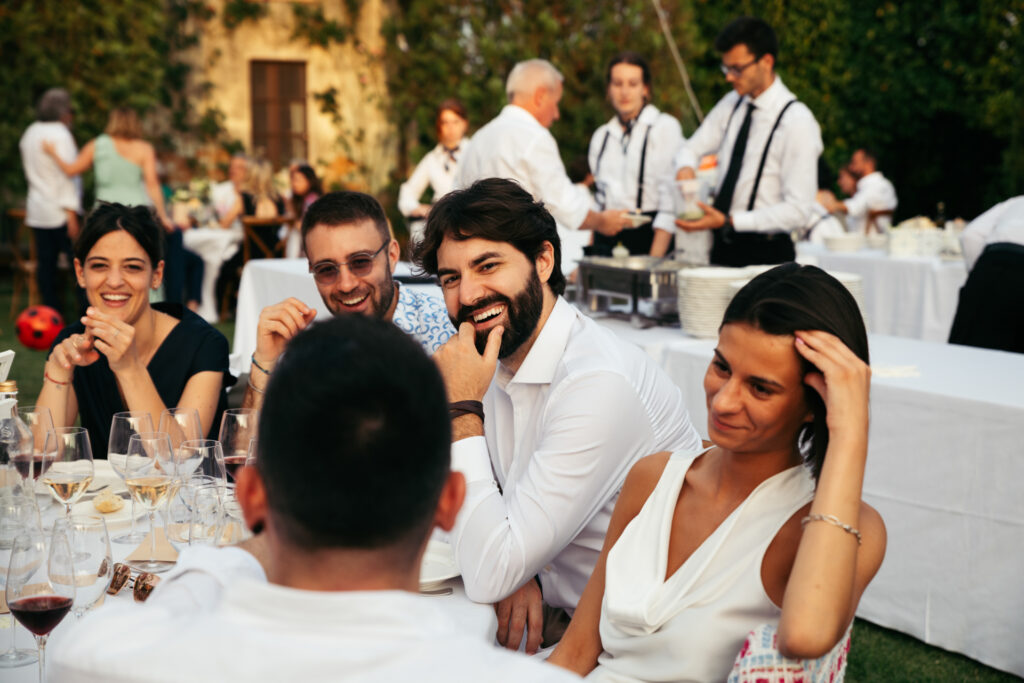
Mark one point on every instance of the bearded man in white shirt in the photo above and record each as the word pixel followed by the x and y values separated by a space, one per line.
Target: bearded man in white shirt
pixel 768 145
pixel 517 145
pixel 874 193
pixel 328 590
pixel 549 409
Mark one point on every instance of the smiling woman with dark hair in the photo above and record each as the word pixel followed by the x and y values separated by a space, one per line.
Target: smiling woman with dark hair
pixel 126 354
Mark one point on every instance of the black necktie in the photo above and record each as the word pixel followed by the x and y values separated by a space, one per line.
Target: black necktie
pixel 723 202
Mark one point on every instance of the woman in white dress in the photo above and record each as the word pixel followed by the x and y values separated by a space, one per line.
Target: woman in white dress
pixel 631 159
pixel 766 525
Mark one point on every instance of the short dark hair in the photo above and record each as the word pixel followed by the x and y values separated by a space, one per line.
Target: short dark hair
pixel 354 438
pixel 869 154
pixel 55 103
pixel 137 221
pixel 755 33
pixel 792 297
pixel 454 106
pixel 343 208
pixel 493 209
pixel 633 58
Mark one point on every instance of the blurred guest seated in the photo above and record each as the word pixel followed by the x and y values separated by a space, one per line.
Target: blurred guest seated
pixel 325 591
pixel 766 525
pixel 306 189
pixel 871 206
pixel 550 409
pixel 226 196
pixel 990 313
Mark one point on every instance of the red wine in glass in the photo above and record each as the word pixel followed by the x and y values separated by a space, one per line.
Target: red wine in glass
pixel 232 463
pixel 40 614
pixel 31 466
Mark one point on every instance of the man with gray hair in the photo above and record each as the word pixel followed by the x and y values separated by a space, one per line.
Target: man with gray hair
pixel 517 145
pixel 54 200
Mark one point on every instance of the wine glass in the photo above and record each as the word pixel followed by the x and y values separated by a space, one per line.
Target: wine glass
pixel 152 478
pixel 237 430
pixel 94 564
pixel 250 456
pixel 122 426
pixel 72 469
pixel 180 513
pixel 44 444
pixel 182 424
pixel 207 514
pixel 41 584
pixel 234 529
pixel 201 457
pixel 18 515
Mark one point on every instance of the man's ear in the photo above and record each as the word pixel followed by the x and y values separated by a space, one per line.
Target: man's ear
pixel 450 502
pixel 252 497
pixel 545 261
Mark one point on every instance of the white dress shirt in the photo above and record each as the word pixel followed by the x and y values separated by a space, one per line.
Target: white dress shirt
pixel 560 436
pixel 790 179
pixel 874 193
pixel 50 190
pixel 1004 222
pixel 615 156
pixel 257 631
pixel 514 145
pixel 436 169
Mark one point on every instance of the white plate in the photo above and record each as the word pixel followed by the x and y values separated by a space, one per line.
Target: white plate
pixel 104 475
pixel 122 517
pixel 438 564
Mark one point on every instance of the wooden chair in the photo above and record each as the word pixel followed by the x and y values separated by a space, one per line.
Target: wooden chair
pixel 24 268
pixel 872 223
pixel 258 234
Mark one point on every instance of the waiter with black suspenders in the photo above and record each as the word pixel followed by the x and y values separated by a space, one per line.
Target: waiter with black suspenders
pixel 768 144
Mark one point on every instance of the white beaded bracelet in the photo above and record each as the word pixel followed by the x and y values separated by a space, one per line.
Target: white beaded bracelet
pixel 834 521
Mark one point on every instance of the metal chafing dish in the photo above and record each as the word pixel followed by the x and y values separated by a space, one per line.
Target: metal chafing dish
pixel 602 281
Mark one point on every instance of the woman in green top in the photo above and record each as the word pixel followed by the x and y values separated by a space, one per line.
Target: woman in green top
pixel 124 163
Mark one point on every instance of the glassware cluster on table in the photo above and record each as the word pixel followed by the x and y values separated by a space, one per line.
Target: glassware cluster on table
pixel 65 564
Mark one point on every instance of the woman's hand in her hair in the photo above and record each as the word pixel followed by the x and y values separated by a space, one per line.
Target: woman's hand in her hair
pixel 113 338
pixel 843 380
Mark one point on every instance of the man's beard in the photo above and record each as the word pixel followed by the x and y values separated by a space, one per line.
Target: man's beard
pixel 523 314
pixel 382 294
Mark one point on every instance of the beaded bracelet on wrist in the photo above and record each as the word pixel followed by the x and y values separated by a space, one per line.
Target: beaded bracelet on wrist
pixel 834 521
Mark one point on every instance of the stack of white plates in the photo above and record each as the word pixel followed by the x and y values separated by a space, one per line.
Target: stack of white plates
pixel 845 242
pixel 704 294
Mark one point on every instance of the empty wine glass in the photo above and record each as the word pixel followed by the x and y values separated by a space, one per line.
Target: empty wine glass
pixel 152 479
pixel 201 457
pixel 18 515
pixel 122 426
pixel 207 514
pixel 94 564
pixel 183 521
pixel 44 444
pixel 234 529
pixel 237 430
pixel 181 424
pixel 72 469
pixel 41 584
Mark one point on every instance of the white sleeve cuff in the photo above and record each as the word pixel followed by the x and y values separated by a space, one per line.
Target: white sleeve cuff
pixel 470 457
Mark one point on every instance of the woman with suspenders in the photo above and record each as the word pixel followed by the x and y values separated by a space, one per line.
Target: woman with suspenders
pixel 631 160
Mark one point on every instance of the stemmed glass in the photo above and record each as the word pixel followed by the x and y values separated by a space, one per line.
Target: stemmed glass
pixel 44 444
pixel 182 424
pixel 41 584
pixel 18 515
pixel 201 456
pixel 72 469
pixel 94 564
pixel 122 427
pixel 152 479
pixel 237 430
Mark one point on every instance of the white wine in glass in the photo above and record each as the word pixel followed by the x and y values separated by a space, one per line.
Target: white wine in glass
pixel 152 478
pixel 122 426
pixel 72 469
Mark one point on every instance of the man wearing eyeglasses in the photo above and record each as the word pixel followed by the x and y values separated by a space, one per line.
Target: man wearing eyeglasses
pixel 352 256
pixel 768 144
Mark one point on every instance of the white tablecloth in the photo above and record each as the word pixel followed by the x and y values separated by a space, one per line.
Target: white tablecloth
pixel 945 469
pixel 214 245
pixel 905 297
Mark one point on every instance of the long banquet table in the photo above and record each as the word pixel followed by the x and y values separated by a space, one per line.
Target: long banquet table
pixel 913 297
pixel 945 468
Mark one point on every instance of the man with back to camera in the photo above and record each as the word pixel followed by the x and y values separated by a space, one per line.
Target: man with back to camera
pixel 352 256
pixel 550 410
pixel 768 145
pixel 328 589
pixel 517 145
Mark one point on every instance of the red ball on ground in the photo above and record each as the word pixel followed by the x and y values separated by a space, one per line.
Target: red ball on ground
pixel 38 326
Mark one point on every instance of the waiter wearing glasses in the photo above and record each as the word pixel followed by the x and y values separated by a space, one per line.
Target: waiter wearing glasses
pixel 352 256
pixel 768 144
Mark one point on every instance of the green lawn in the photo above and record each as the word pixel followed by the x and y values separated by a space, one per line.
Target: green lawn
pixel 877 654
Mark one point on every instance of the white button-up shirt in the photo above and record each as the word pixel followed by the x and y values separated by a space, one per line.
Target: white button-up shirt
pixel 560 436
pixel 436 169
pixel 50 190
pixel 1004 222
pixel 615 156
pixel 249 630
pixel 514 145
pixel 874 193
pixel 790 179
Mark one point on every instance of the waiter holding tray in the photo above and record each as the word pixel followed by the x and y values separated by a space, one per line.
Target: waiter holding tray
pixel 768 144
pixel 631 158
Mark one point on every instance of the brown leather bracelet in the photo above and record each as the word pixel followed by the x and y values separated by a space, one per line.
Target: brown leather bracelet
pixel 460 408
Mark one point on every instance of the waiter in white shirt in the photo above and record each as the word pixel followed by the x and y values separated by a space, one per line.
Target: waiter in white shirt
pixel 549 409
pixel 517 145
pixel 768 145
pixel 54 199
pixel 631 159
pixel 875 193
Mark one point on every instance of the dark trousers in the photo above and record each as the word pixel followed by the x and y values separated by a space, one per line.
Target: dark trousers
pixel 183 271
pixel 50 242
pixel 990 313
pixel 740 249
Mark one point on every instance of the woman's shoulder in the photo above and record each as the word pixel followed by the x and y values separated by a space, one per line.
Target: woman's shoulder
pixel 188 324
